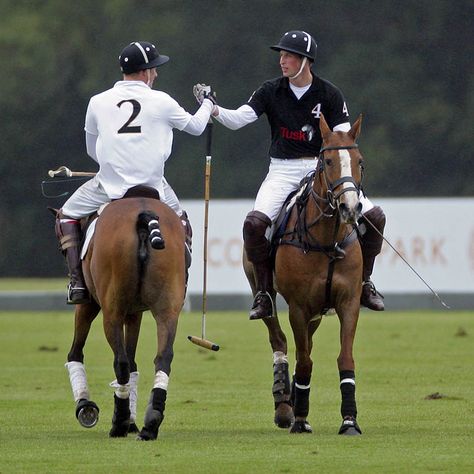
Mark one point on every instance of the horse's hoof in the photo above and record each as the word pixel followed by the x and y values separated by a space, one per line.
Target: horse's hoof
pixel 147 435
pixel 119 430
pixel 301 427
pixel 133 428
pixel 350 427
pixel 87 413
pixel 284 416
pixel 153 420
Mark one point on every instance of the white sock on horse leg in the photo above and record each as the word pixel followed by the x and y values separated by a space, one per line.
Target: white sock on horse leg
pixel 280 357
pixel 133 382
pixel 78 379
pixel 161 380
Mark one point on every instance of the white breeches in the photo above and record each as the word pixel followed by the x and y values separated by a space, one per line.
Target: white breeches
pixel 284 177
pixel 91 195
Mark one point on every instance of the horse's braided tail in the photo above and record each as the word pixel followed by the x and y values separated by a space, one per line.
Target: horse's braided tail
pixel 148 230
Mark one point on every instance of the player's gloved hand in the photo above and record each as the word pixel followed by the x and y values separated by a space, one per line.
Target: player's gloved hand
pixel 201 92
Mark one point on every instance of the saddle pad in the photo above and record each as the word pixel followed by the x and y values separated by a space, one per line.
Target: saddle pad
pixel 89 233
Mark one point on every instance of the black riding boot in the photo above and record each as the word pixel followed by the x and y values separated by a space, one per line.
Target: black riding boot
pixel 263 303
pixel 371 243
pixel 188 232
pixel 69 235
pixel 257 249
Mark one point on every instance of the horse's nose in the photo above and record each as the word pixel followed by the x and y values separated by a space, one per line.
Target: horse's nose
pixel 350 215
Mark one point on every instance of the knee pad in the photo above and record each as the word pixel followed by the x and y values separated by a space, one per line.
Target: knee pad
pixel 255 243
pixel 377 217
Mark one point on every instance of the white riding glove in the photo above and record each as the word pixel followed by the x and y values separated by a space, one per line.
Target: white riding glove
pixel 201 92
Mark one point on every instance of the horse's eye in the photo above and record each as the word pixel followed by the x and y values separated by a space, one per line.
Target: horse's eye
pixel 328 161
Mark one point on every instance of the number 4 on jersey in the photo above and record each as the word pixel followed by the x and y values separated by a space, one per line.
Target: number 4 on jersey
pixel 317 110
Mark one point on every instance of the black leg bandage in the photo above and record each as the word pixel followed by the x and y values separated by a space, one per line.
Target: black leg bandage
pixel 302 388
pixel 348 405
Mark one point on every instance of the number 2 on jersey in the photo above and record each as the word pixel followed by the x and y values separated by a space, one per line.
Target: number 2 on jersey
pixel 127 128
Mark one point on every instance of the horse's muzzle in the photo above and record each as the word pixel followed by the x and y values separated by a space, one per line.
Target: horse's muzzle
pixel 350 215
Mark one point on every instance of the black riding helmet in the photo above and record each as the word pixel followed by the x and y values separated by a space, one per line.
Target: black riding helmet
pixel 140 55
pixel 298 42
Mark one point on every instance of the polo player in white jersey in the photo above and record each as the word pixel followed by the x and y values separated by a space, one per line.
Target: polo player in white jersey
pixel 129 133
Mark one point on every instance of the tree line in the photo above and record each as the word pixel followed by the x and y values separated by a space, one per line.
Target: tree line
pixel 406 66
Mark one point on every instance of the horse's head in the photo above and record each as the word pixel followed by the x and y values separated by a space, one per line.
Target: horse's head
pixel 340 169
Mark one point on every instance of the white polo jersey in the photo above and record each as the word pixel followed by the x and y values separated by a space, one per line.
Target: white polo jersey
pixel 134 125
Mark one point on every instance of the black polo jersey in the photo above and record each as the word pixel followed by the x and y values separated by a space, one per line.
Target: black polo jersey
pixel 295 123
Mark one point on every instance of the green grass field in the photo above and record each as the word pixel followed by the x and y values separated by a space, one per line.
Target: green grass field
pixel 219 414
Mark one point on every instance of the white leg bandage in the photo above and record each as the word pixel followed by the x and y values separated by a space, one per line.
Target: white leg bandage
pixel 133 395
pixel 279 357
pixel 78 379
pixel 161 380
pixel 122 391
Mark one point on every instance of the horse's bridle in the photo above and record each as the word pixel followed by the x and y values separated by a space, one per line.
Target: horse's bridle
pixel 332 186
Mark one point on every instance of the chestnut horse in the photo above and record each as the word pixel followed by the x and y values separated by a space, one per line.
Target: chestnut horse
pixel 318 266
pixel 126 274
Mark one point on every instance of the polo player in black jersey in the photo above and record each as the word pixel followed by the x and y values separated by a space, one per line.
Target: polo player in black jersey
pixel 293 104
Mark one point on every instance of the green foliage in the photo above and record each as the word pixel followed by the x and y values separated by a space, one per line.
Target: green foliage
pixel 219 412
pixel 405 65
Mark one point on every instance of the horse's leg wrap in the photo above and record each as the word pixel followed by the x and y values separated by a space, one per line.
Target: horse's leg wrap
pixel 348 404
pixel 154 415
pixel 78 379
pixel 257 248
pixel 302 388
pixel 281 391
pixel 281 383
pixel 155 411
pixel 371 241
pixel 68 232
pixel 121 417
pixel 133 383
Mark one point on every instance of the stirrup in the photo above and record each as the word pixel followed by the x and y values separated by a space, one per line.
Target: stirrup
pixel 77 295
pixel 258 302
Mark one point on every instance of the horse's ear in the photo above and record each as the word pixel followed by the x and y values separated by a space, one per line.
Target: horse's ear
pixel 355 129
pixel 323 126
pixel 53 210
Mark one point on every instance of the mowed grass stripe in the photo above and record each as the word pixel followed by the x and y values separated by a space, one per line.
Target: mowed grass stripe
pixel 219 414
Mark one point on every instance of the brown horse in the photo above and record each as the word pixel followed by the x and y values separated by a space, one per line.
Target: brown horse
pixel 126 275
pixel 318 266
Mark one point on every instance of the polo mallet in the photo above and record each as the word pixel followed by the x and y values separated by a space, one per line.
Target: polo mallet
pixel 65 172
pixel 202 341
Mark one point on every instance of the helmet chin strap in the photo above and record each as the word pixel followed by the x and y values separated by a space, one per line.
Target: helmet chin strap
pixel 148 80
pixel 305 59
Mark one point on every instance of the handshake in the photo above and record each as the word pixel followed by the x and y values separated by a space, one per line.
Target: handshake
pixel 201 92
